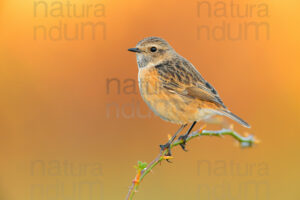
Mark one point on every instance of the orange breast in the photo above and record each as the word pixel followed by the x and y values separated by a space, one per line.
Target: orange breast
pixel 169 106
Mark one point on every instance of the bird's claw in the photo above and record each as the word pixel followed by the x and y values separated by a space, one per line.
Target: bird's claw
pixel 164 146
pixel 168 154
pixel 183 144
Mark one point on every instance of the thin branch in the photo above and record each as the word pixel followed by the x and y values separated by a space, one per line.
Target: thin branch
pixel 143 168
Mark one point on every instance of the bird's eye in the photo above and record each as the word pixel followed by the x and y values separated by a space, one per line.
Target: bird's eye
pixel 153 49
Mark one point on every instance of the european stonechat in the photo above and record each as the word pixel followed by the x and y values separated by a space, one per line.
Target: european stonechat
pixel 174 89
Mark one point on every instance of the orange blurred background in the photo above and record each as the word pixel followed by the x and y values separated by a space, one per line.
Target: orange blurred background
pixel 65 128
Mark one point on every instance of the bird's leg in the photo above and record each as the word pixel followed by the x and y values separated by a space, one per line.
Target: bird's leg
pixel 168 144
pixel 185 136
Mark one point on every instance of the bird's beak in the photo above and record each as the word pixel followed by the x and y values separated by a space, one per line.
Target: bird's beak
pixel 136 50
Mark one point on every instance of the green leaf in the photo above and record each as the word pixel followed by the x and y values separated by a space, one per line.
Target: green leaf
pixel 141 165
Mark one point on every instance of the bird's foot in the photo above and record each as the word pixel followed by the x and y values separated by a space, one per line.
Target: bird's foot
pixel 168 147
pixel 183 138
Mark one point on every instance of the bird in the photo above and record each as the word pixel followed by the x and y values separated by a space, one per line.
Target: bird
pixel 174 89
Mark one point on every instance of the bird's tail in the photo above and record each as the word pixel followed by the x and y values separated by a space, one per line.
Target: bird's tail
pixel 229 114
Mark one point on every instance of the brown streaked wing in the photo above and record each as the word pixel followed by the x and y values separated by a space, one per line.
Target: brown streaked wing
pixel 181 77
pixel 198 93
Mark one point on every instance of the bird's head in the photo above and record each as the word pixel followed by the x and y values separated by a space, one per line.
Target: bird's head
pixel 152 50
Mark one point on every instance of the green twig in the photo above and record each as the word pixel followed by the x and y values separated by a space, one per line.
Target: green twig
pixel 143 169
